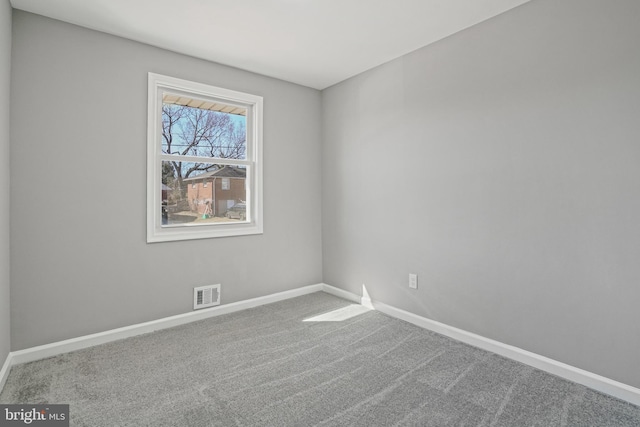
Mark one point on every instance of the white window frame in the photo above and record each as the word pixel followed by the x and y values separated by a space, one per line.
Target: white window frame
pixel 156 232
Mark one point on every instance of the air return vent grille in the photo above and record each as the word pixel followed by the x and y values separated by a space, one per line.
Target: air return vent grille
pixel 206 296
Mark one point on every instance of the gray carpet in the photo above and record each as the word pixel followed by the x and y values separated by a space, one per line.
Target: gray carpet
pixel 267 367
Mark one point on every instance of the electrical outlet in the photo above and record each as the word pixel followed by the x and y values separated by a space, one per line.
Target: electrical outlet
pixel 413 281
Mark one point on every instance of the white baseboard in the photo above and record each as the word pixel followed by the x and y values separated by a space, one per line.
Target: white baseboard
pixel 4 372
pixel 73 344
pixel 580 376
pixel 597 382
pixel 340 293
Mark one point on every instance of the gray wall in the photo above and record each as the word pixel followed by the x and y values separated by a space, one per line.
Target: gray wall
pixel 80 262
pixel 499 164
pixel 5 71
pixel 502 166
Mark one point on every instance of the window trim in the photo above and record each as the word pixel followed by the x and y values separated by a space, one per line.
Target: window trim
pixel 225 183
pixel 156 232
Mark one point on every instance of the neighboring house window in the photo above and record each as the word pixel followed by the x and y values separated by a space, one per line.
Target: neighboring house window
pixel 198 131
pixel 204 184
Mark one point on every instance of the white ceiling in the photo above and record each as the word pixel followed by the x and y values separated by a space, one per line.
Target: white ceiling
pixel 315 43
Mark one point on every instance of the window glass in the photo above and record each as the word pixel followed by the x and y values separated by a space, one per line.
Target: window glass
pixel 204 161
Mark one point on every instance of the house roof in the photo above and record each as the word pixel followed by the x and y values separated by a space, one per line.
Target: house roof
pixel 223 172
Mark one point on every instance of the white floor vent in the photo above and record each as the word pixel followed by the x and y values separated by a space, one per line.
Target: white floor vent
pixel 206 296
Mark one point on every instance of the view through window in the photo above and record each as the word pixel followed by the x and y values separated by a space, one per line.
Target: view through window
pixel 204 148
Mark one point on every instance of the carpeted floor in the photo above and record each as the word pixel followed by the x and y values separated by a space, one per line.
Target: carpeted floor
pixel 267 366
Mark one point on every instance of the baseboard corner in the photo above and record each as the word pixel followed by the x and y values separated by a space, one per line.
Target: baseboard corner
pixel 341 293
pixel 4 372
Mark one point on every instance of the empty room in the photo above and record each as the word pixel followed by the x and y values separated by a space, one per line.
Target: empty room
pixel 320 213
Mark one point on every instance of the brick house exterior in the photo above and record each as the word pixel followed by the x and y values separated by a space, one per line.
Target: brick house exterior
pixel 222 188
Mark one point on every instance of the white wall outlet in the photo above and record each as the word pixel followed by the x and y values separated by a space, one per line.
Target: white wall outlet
pixel 413 281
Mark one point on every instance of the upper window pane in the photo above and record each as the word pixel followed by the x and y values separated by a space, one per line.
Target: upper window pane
pixel 196 127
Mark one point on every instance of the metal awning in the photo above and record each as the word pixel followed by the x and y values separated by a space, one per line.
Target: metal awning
pixel 170 98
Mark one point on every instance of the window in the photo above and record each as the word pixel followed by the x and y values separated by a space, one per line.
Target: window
pixel 201 133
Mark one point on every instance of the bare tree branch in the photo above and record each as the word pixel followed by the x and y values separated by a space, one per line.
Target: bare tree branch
pixel 204 133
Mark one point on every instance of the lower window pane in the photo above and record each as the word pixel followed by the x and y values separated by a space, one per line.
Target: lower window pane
pixel 203 193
